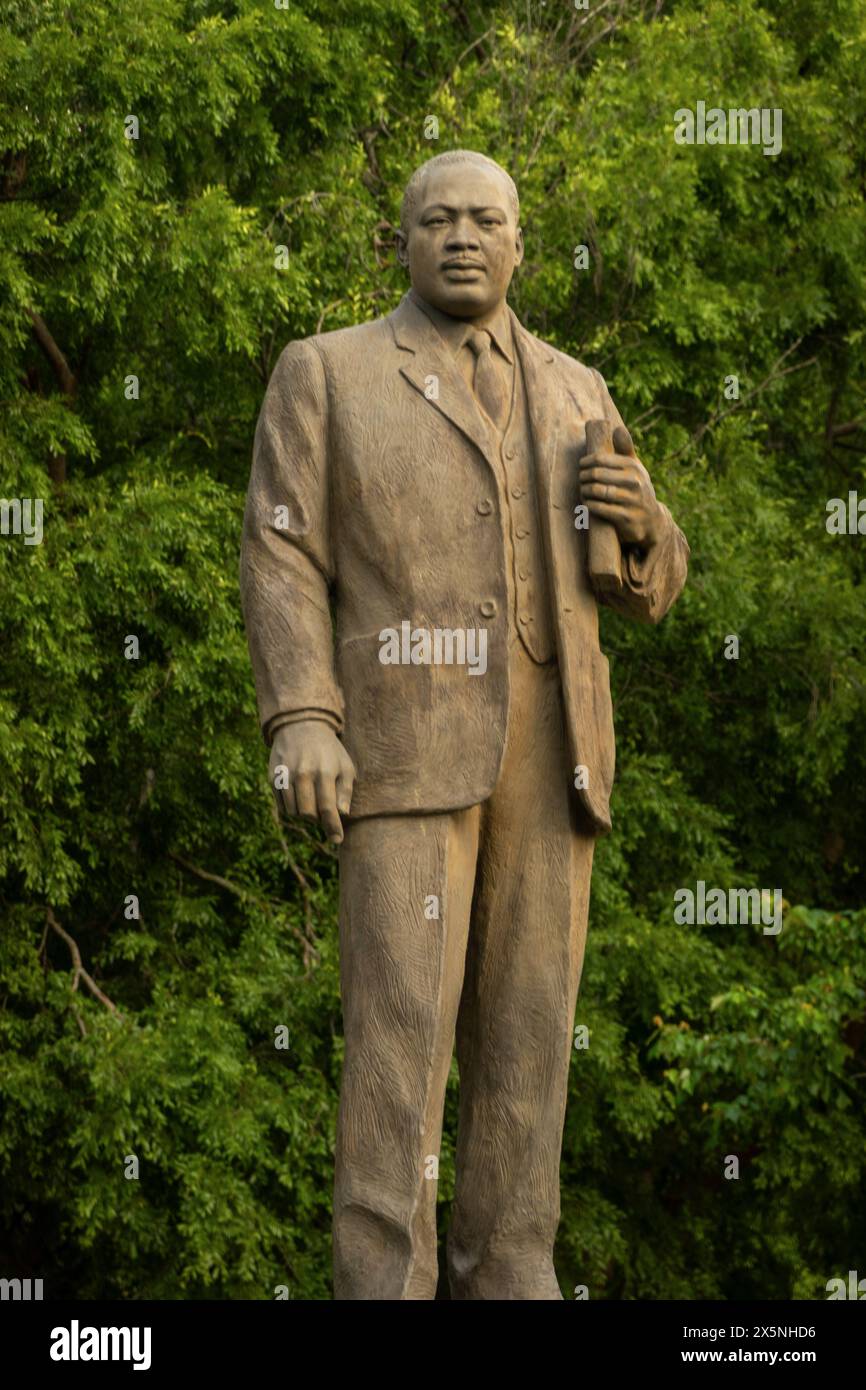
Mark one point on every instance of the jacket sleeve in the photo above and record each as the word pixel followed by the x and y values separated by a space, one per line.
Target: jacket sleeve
pixel 653 579
pixel 286 568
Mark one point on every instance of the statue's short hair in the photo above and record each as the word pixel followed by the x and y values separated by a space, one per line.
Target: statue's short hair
pixel 413 187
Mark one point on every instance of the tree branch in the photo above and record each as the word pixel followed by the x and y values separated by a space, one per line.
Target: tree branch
pixel 849 427
pixel 65 378
pixel 245 894
pixel 62 371
pixel 719 415
pixel 80 972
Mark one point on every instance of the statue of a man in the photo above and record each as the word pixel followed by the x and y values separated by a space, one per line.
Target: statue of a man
pixel 424 635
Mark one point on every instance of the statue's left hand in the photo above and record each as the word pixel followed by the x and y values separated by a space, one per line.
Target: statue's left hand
pixel 617 488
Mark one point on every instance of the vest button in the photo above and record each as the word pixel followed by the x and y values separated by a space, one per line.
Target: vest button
pixel 484 507
pixel 524 574
pixel 509 452
pixel 522 533
pixel 524 618
pixel 517 492
pixel 488 608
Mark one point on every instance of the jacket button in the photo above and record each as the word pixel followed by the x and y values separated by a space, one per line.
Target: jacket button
pixel 524 574
pixel 517 492
pixel 484 507
pixel 509 452
pixel 522 533
pixel 488 608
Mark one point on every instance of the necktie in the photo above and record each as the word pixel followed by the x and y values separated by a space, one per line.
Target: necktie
pixel 488 384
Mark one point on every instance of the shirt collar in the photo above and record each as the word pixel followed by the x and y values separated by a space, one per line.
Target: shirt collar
pixel 455 331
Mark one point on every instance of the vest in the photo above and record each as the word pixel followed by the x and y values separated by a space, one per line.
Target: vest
pixel 529 596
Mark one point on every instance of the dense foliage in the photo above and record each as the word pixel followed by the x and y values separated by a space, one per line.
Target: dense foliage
pixel 158 257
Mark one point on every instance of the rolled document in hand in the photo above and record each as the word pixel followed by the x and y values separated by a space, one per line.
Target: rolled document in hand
pixel 605 555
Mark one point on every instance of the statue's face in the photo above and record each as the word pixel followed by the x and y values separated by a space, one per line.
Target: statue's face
pixel 463 244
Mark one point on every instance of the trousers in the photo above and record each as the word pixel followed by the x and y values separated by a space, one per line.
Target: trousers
pixel 464 926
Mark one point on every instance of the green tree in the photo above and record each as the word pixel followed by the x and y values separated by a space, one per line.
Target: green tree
pixel 147 285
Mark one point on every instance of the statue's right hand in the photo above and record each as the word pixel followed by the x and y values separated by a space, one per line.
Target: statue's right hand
pixel 312 774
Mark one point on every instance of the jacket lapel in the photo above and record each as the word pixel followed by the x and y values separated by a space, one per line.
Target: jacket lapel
pixel 556 419
pixel 543 403
pixel 427 356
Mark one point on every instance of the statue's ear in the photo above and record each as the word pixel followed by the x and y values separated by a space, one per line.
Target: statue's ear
pixel 402 248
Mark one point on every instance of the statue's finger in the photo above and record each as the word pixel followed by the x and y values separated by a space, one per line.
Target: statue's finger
pixel 622 441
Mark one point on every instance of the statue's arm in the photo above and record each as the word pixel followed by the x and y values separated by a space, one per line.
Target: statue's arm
pixel 653 576
pixel 286 566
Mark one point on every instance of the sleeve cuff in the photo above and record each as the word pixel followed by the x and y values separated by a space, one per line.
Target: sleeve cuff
pixel 641 564
pixel 296 717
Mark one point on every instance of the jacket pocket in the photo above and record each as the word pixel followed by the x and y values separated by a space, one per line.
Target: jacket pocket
pixel 387 706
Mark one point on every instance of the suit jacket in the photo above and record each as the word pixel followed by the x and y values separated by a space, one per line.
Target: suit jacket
pixel 372 500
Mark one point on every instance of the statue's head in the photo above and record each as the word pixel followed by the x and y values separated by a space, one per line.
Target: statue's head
pixel 459 235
